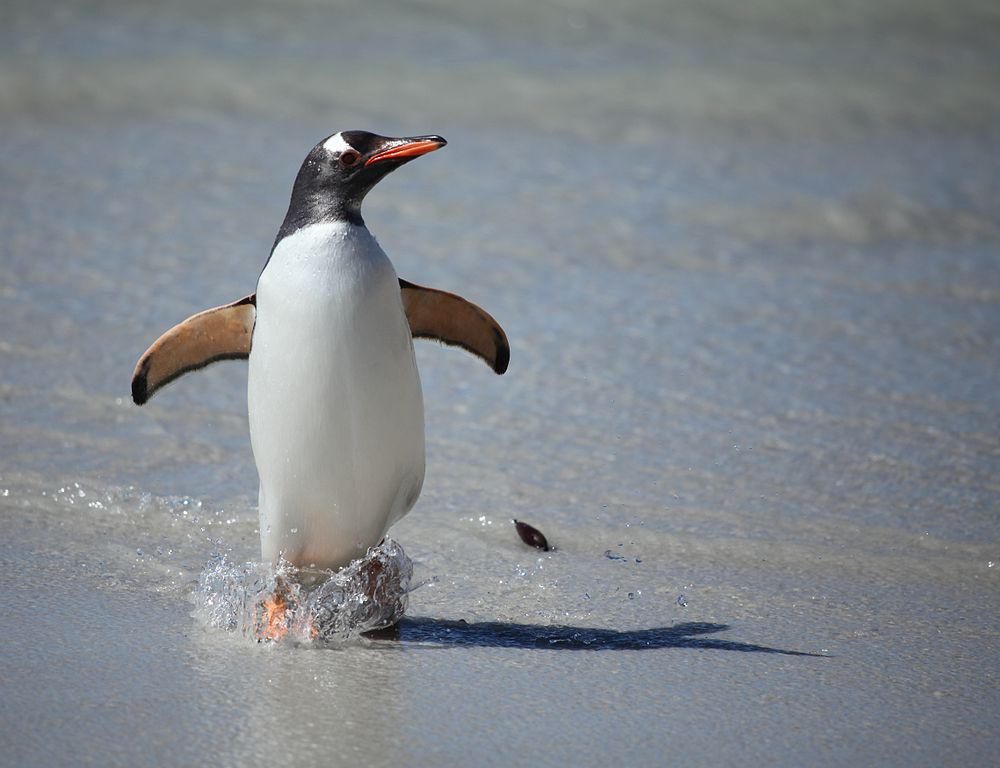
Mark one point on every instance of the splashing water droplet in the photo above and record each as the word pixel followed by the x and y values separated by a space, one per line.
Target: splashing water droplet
pixel 283 603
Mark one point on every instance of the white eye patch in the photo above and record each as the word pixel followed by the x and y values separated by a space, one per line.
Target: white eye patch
pixel 336 143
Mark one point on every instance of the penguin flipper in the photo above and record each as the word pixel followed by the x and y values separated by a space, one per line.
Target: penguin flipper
pixel 452 320
pixel 221 333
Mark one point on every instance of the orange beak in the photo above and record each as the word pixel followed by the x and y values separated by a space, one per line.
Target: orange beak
pixel 406 149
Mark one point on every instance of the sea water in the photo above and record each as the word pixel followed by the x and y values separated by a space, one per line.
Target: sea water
pixel 748 260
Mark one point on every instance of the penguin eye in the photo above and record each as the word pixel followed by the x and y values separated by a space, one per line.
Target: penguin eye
pixel 349 158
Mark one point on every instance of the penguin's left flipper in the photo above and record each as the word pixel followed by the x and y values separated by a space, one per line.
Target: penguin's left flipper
pixel 452 320
pixel 222 333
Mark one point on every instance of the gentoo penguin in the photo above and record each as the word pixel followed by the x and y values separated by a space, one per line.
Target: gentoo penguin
pixel 334 400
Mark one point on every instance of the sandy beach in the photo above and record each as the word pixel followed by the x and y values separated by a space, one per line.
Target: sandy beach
pixel 748 260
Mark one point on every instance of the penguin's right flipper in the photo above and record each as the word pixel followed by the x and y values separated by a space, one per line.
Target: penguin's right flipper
pixel 450 319
pixel 222 333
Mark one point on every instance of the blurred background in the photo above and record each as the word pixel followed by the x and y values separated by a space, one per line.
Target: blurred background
pixel 748 259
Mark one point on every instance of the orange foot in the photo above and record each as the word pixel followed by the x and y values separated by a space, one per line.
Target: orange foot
pixel 271 623
pixel 275 615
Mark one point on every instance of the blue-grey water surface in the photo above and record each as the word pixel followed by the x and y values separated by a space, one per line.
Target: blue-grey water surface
pixel 748 259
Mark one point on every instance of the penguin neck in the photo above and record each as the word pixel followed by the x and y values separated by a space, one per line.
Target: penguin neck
pixel 309 206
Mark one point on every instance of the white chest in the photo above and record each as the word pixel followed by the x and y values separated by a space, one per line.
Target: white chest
pixel 336 413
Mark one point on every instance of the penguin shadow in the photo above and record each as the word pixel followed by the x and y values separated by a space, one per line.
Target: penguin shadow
pixel 442 632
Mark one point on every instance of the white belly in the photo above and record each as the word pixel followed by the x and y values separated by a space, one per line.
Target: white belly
pixel 336 412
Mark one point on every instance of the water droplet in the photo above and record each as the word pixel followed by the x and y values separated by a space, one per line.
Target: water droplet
pixel 293 530
pixel 682 601
pixel 138 551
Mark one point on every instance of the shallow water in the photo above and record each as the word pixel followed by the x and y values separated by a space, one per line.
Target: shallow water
pixel 280 604
pixel 749 263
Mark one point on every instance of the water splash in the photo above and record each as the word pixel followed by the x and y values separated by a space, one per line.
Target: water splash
pixel 285 604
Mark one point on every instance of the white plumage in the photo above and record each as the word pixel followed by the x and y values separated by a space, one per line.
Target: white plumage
pixel 335 406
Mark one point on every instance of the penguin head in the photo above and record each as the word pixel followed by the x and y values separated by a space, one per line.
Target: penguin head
pixel 340 170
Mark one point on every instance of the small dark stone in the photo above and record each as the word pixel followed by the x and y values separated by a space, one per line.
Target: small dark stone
pixel 531 536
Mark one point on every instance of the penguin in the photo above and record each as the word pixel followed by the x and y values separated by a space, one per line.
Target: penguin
pixel 333 393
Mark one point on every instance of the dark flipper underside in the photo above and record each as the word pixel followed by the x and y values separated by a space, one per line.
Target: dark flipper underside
pixel 222 333
pixel 452 320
